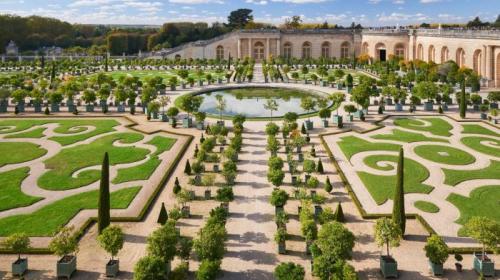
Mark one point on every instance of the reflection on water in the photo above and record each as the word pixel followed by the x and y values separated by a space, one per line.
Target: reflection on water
pixel 251 106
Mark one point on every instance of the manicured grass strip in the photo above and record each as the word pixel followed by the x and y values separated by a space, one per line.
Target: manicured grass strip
pixel 11 195
pixel 483 201
pixel 372 161
pixel 36 133
pixel 454 177
pixel 162 144
pixel 382 187
pixel 444 154
pixel 47 220
pixel 16 152
pixel 406 136
pixel 426 206
pixel 139 172
pixel 478 129
pixel 70 160
pixel 351 145
pixel 438 126
pixel 474 142
pixel 66 126
pixel 70 127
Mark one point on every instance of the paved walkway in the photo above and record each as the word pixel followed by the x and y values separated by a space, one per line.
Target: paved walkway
pixel 258 75
pixel 251 250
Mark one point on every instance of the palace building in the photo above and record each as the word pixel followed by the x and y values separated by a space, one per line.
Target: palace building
pixel 475 49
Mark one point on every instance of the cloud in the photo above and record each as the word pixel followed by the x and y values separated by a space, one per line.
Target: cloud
pixel 257 2
pixel 300 1
pixel 398 2
pixel 192 2
pixel 429 1
pixel 374 2
pixel 401 17
pixel 89 3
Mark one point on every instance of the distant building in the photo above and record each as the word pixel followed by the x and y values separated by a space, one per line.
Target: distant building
pixel 12 49
pixel 52 51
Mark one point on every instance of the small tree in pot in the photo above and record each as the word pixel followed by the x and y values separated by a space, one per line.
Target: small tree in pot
pixel 278 199
pixel 486 232
pixel 111 240
pixel 289 271
pixel 437 252
pixel 64 245
pixel 18 243
pixel 389 234
pixel 162 243
pixel 280 239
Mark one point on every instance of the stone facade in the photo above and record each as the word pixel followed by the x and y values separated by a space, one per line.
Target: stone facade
pixel 478 50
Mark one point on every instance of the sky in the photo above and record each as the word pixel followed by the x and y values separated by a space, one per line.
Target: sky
pixel 156 12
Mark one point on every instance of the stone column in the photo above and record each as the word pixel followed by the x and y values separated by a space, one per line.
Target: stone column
pixel 249 47
pixel 239 48
pixel 490 64
pixel 484 62
pixel 268 47
pixel 278 47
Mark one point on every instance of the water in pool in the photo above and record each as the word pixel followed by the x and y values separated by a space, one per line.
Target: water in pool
pixel 250 101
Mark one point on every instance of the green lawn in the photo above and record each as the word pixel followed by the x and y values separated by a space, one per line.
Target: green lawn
pixel 16 152
pixel 70 160
pixel 474 142
pixel 382 187
pixel 162 144
pixel 11 195
pixel 454 177
pixel 351 145
pixel 438 126
pixel 47 220
pixel 478 129
pixel 139 172
pixel 66 126
pixel 483 201
pixel 407 137
pixel 444 154
pixel 145 170
pixel 426 206
pixel 36 133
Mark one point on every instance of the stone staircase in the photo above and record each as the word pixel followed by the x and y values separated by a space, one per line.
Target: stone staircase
pixel 258 75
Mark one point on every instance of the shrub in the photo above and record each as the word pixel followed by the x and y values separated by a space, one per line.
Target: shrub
pixel 64 243
pixel 289 271
pixel 309 229
pixel 278 197
pixel 225 194
pixel 275 163
pixel 181 272
pixel 275 177
pixel 319 167
pixel 328 185
pixel 162 242
pixel 18 243
pixel 309 166
pixel 339 214
pixel 187 168
pixel 436 250
pixel 175 213
pixel 111 240
pixel 272 129
pixel 326 216
pixel 150 267
pixel 209 244
pixel 312 182
pixel 163 216
pixel 208 270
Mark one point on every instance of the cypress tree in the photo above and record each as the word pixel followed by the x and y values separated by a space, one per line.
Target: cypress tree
pixel 398 210
pixel 187 168
pixel 106 64
pixel 303 129
pixel 328 185
pixel 177 186
pixel 52 74
pixel 463 103
pixel 196 150
pixel 163 217
pixel 202 139
pixel 320 167
pixel 103 217
pixel 339 214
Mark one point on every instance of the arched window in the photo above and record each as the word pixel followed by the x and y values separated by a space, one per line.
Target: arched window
pixel 258 51
pixel 460 59
pixel 219 52
pixel 399 50
pixel 306 50
pixel 325 50
pixel 365 48
pixel 444 54
pixel 287 50
pixel 344 50
pixel 432 54
pixel 477 62
pixel 420 52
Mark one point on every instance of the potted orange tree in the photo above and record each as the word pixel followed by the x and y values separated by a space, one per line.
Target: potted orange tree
pixel 389 234
pixel 111 240
pixel 64 245
pixel 437 252
pixel 486 232
pixel 18 243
